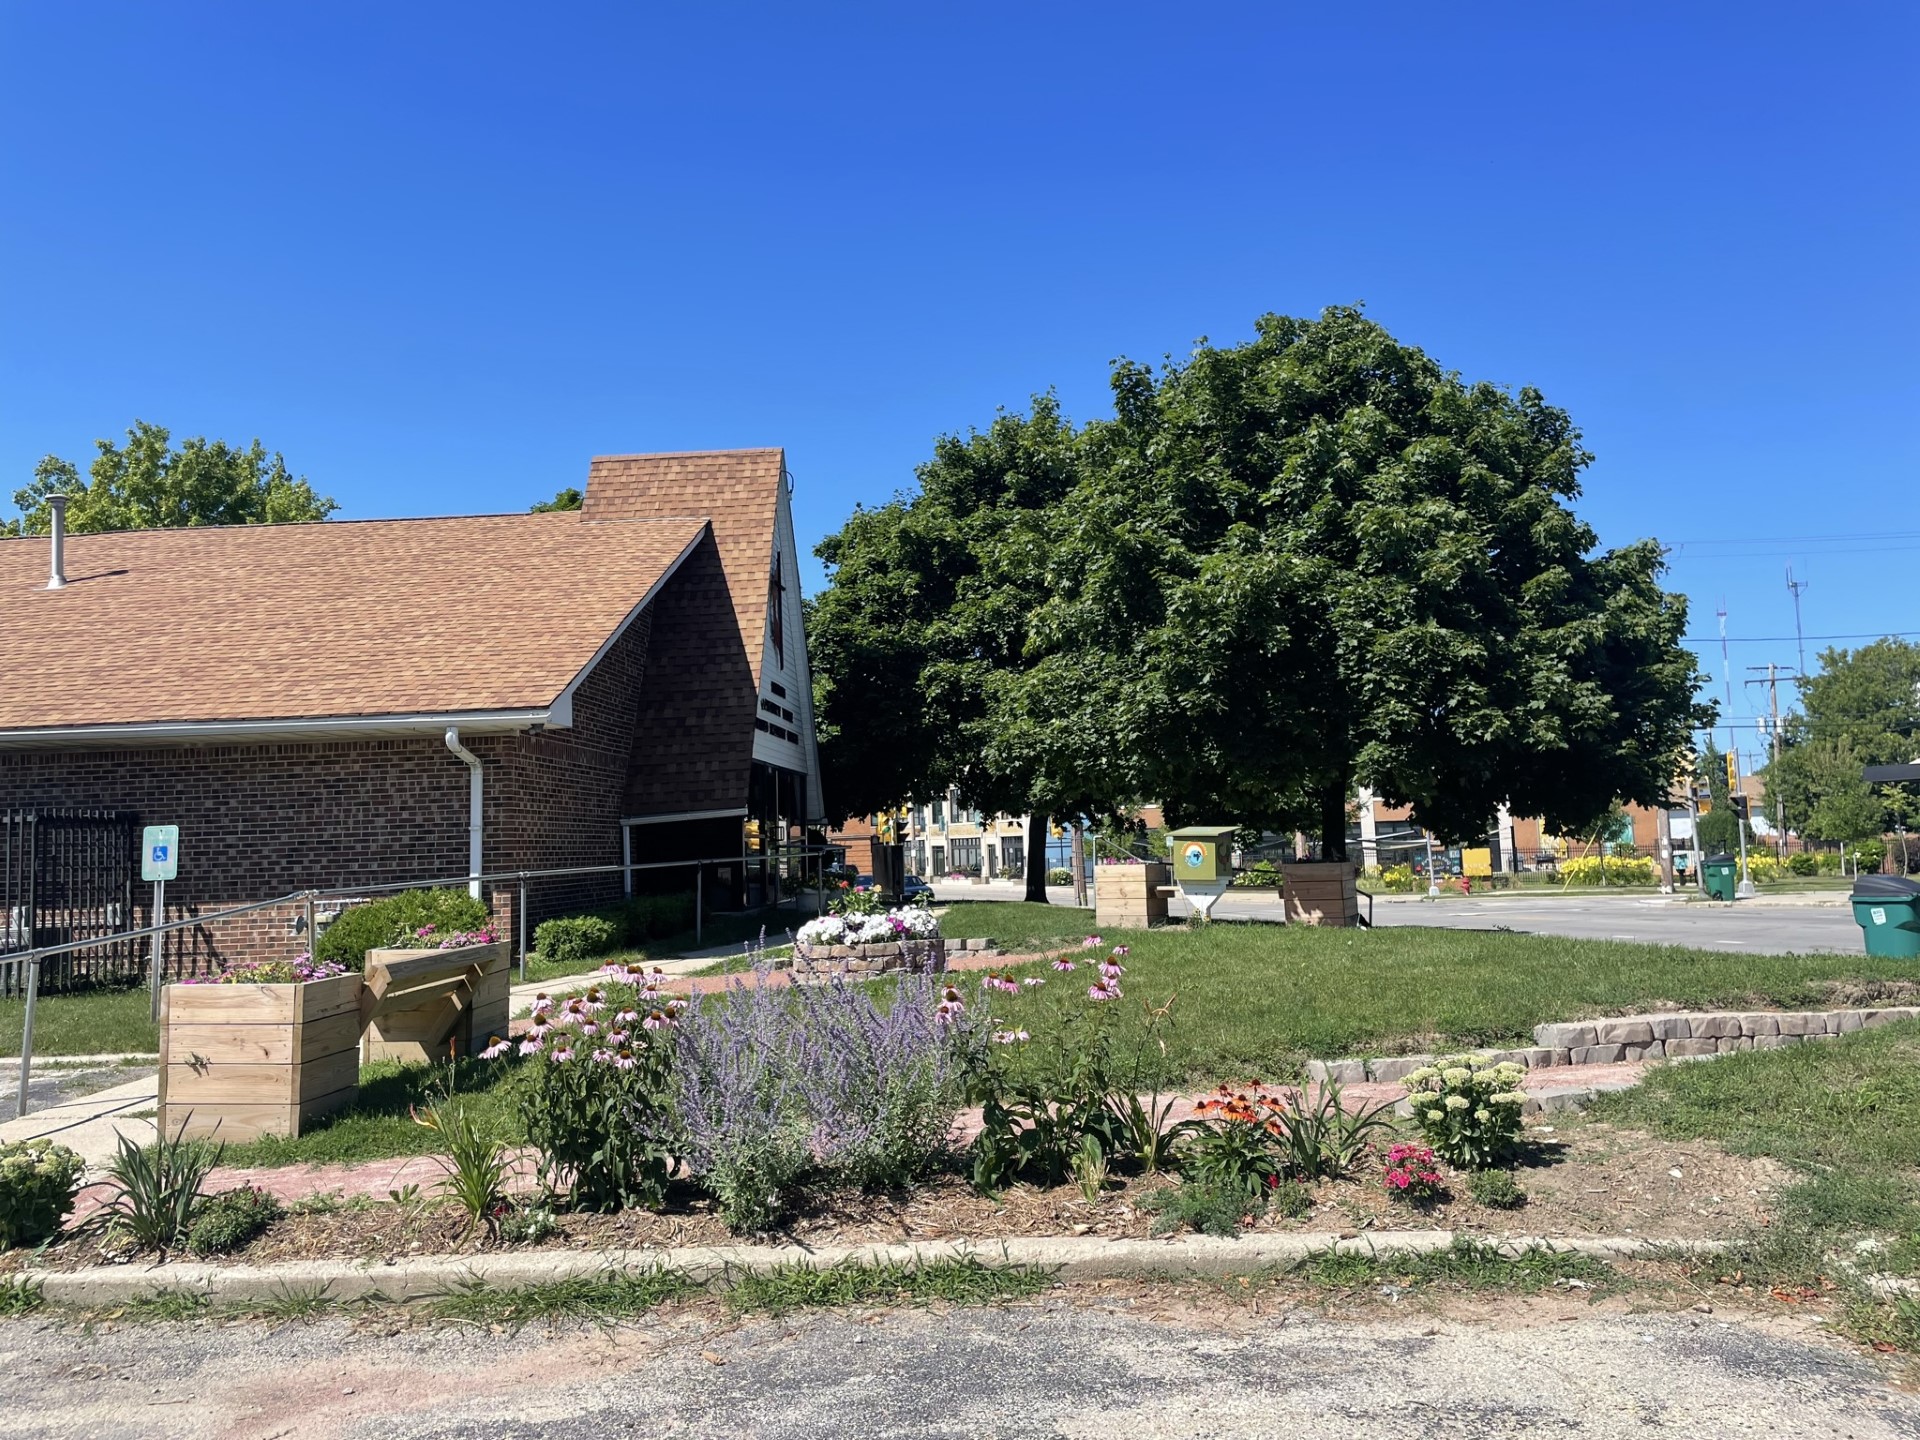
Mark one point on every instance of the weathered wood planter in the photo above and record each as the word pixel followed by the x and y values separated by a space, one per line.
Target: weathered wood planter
pixel 1129 897
pixel 241 1061
pixel 1320 892
pixel 430 1004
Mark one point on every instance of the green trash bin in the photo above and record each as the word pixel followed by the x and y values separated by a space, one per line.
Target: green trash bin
pixel 1722 876
pixel 1887 910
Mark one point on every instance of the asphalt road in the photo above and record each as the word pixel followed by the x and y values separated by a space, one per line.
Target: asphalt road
pixel 1052 1369
pixel 1756 926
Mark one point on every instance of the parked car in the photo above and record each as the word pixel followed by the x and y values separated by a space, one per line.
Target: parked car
pixel 915 891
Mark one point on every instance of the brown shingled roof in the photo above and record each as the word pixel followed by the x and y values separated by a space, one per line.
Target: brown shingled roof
pixel 341 618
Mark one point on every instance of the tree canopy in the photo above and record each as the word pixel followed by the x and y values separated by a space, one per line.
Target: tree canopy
pixel 567 499
pixel 1283 569
pixel 146 484
pixel 1861 708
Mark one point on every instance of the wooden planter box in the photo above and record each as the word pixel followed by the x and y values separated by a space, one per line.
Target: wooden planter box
pixel 1130 897
pixel 431 1004
pixel 1321 892
pixel 241 1061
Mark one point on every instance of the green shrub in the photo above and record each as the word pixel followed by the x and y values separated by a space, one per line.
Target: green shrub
pixel 1211 1208
pixel 1496 1189
pixel 380 923
pixel 223 1223
pixel 1828 862
pixel 1871 854
pixel 1468 1108
pixel 1613 870
pixel 38 1181
pixel 575 937
pixel 1059 875
pixel 1803 864
pixel 1260 874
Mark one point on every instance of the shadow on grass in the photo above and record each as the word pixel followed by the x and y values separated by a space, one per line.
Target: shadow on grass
pixel 380 1124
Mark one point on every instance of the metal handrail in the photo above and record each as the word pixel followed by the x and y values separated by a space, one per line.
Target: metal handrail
pixel 31 958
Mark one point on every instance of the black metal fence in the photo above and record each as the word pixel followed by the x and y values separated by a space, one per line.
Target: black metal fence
pixel 68 874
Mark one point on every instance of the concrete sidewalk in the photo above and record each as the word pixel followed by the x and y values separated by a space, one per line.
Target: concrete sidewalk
pixel 91 1125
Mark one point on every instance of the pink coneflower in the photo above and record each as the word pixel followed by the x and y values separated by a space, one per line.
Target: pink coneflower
pixel 624 1060
pixel 602 1057
pixel 657 1020
pixel 1123 949
pixel 589 1029
pixel 626 1017
pixel 531 1045
pixel 542 1003
pixel 495 1048
pixel 1064 965
pixel 563 1054
pixel 1092 942
pixel 1105 990
pixel 1111 970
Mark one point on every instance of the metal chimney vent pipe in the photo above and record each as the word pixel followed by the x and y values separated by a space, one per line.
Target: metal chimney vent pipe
pixel 57 572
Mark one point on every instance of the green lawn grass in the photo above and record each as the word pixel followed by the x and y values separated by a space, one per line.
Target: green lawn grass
pixel 1253 1000
pixel 380 1122
pixel 89 1022
pixel 725 929
pixel 1846 1113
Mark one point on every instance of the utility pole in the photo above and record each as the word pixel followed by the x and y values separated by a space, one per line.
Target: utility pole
pixel 1772 682
pixel 1796 586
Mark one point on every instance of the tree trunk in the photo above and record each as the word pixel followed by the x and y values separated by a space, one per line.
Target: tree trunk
pixel 1037 859
pixel 1333 824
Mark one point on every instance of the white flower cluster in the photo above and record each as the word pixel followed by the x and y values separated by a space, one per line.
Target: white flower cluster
pixel 911 922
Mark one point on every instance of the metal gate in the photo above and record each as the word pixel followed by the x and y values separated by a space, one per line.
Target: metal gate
pixel 67 874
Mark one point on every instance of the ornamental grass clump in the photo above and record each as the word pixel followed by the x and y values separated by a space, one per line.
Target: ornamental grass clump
pixel 38 1181
pixel 1468 1108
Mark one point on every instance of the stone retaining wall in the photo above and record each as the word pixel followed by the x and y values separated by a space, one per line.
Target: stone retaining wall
pixel 1677 1035
pixel 817 962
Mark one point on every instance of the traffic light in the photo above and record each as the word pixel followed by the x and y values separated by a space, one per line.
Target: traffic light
pixel 1733 771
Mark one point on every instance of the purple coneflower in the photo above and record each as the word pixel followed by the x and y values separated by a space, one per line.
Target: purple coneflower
pixel 1064 965
pixel 496 1048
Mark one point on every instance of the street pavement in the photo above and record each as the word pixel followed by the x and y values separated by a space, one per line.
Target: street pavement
pixel 1767 926
pixel 1147 1365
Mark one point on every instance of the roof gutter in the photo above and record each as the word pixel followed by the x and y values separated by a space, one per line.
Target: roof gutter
pixel 301 728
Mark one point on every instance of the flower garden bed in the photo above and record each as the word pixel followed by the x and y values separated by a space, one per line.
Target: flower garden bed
pixel 1582 1178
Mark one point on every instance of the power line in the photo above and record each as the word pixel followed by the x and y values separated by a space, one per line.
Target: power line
pixel 1783 639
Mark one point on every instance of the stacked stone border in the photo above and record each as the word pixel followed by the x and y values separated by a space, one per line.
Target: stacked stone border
pixel 1672 1035
pixel 931 957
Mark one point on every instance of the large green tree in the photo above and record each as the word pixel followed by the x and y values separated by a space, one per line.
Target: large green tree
pixel 1282 570
pixel 920 642
pixel 1862 707
pixel 148 484
pixel 1318 560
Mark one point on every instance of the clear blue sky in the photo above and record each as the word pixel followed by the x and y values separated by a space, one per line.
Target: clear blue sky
pixel 440 254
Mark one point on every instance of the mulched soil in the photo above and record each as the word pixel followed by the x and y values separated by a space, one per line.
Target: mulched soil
pixel 1580 1178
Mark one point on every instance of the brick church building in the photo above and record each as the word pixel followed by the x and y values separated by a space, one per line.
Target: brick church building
pixel 353 703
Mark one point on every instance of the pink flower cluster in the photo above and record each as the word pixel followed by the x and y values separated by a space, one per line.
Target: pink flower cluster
pixel 577 1024
pixel 1410 1173
pixel 952 1006
pixel 428 937
pixel 298 971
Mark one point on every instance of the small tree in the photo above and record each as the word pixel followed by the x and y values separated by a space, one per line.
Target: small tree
pixel 148 485
pixel 567 499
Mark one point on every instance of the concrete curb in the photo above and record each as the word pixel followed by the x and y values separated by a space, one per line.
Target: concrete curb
pixel 1071 1258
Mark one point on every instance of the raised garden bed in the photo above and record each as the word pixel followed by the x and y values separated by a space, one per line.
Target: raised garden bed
pixel 241 1061
pixel 435 1004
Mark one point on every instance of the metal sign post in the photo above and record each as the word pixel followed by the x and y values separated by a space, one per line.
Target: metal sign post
pixel 159 863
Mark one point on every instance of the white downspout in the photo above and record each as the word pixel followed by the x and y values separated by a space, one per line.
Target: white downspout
pixel 474 796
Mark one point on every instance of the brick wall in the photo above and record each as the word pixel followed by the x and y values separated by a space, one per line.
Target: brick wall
pixel 263 820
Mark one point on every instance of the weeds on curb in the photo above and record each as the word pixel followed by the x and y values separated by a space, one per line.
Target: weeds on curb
pixel 303 1303
pixel 169 1305
pixel 611 1295
pixel 964 1281
pixel 1468 1265
pixel 20 1297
